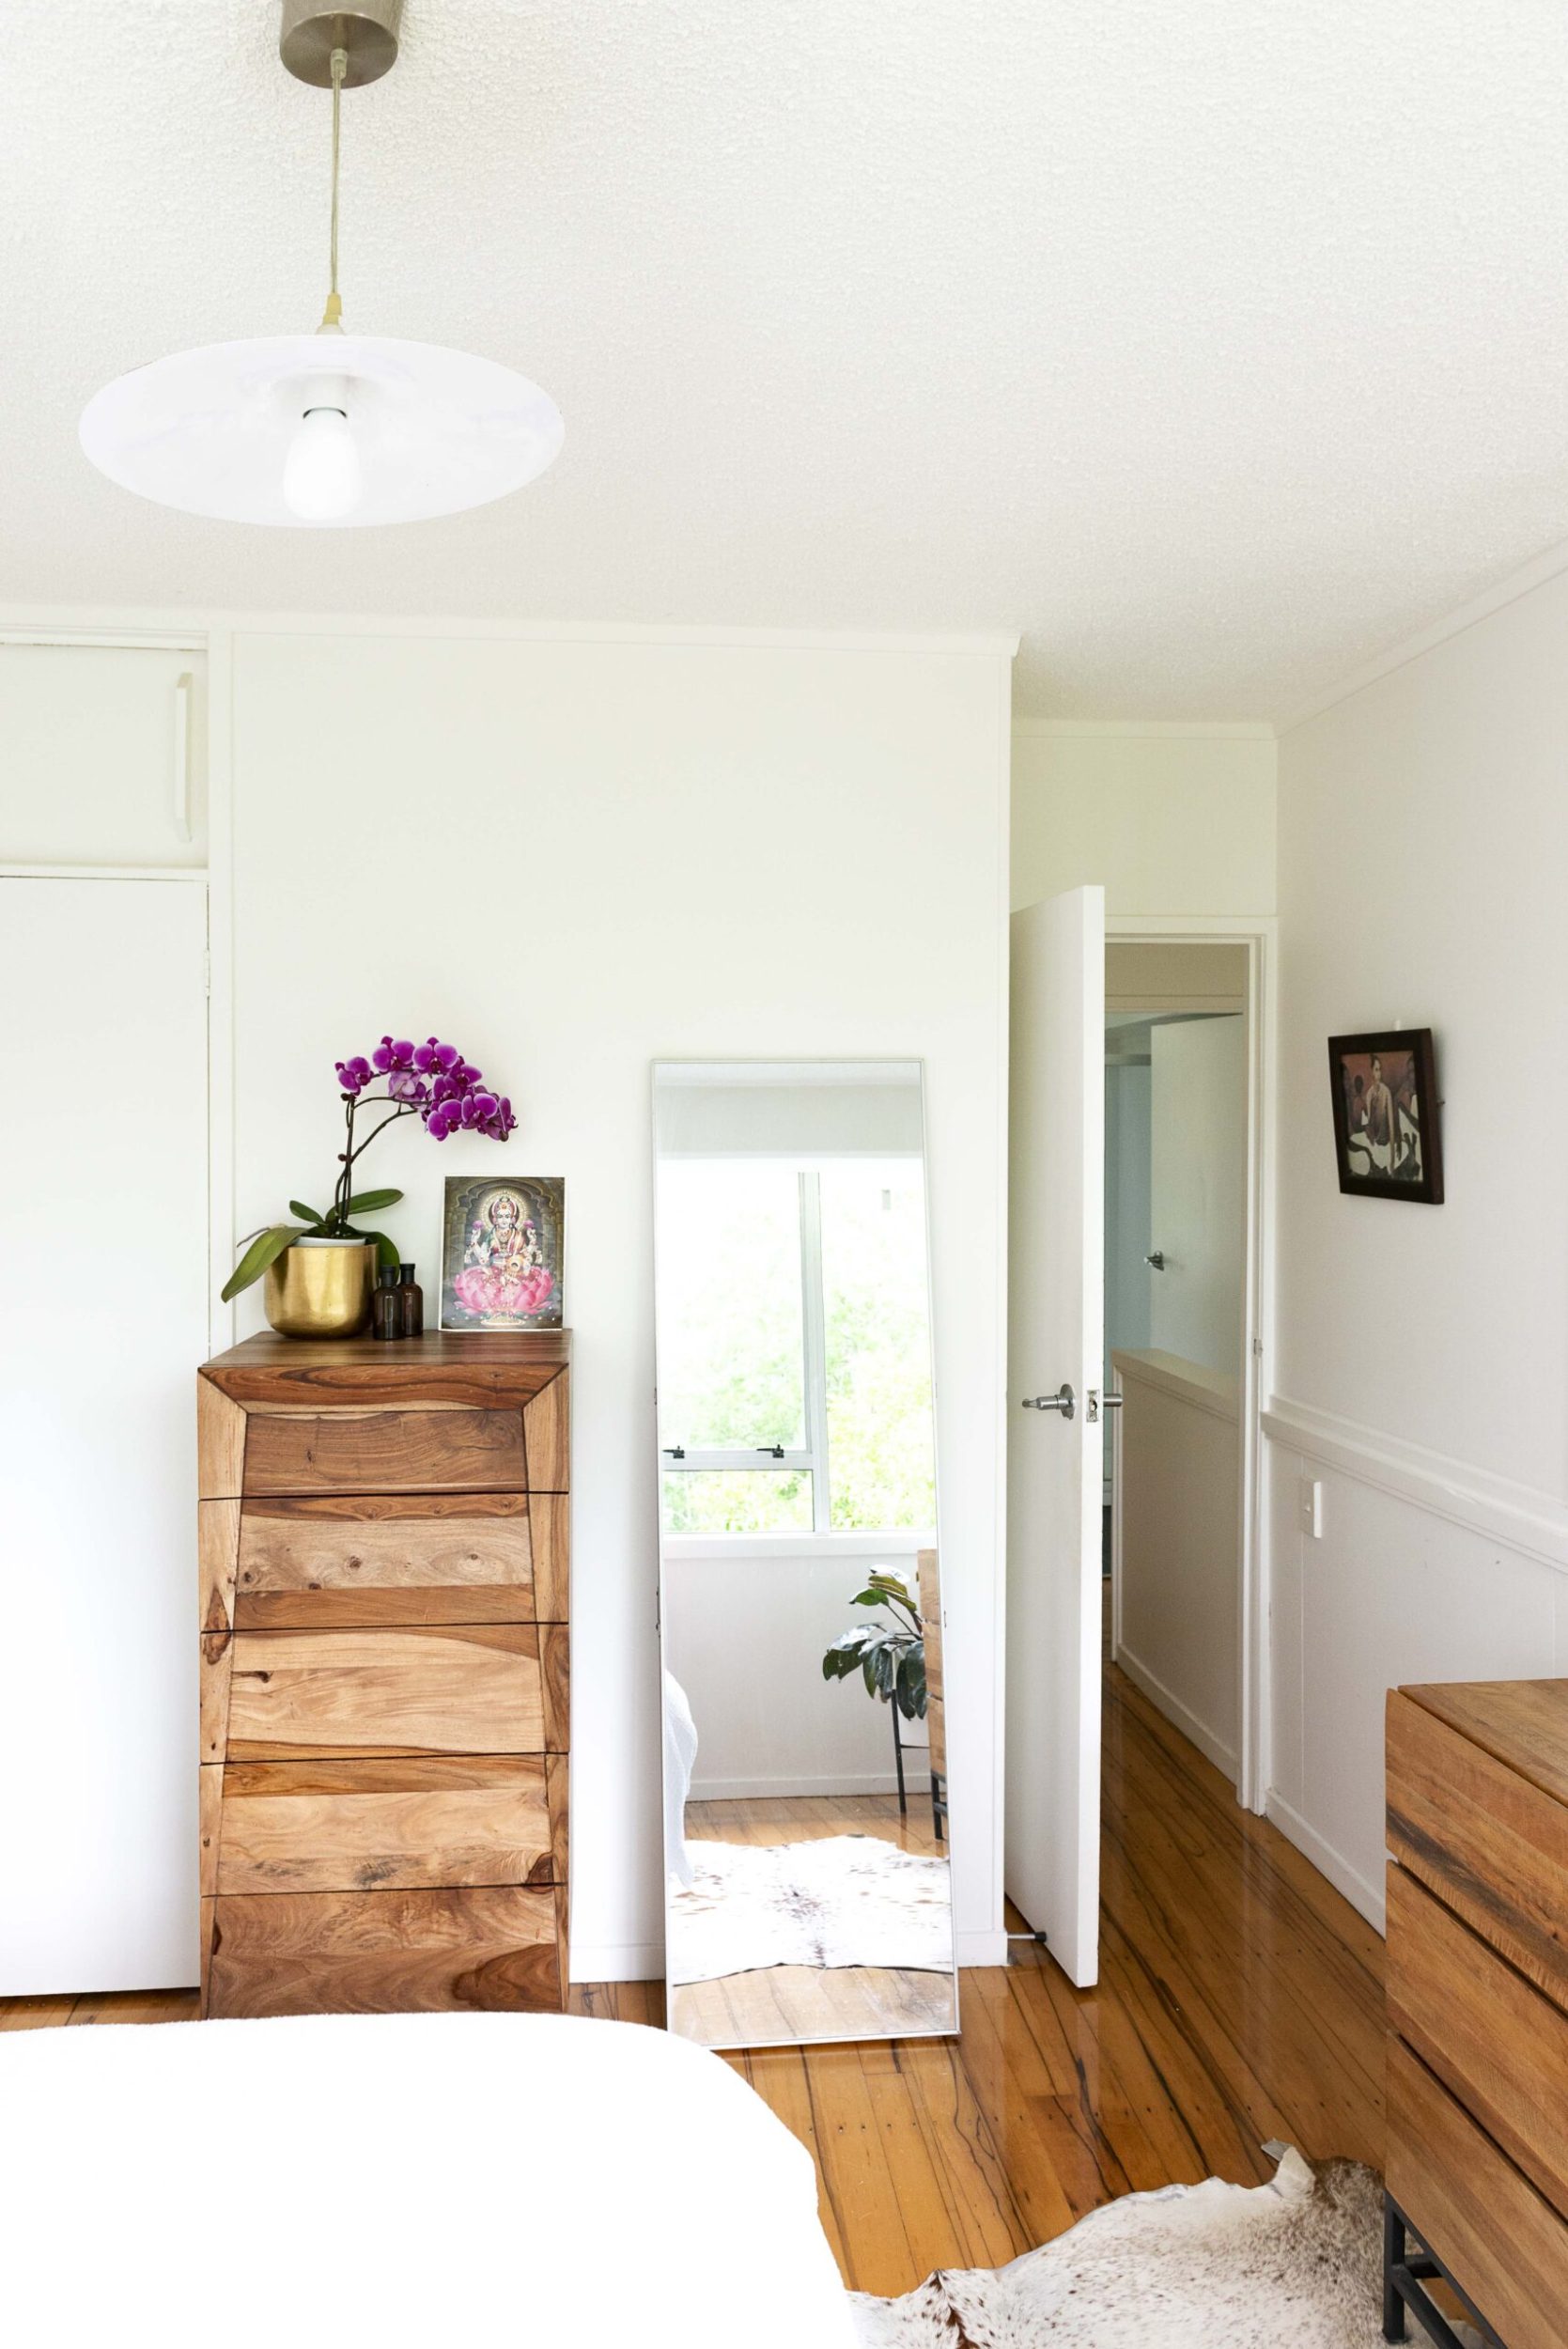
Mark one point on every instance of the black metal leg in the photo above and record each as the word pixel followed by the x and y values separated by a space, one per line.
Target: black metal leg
pixel 898 1761
pixel 936 1805
pixel 1393 2258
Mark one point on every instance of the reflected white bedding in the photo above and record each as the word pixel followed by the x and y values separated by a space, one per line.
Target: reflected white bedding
pixel 445 2180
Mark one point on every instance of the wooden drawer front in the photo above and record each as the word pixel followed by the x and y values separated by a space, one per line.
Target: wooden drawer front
pixel 304 1694
pixel 329 1826
pixel 378 1953
pixel 422 1451
pixel 397 1558
pixel 1491 1845
pixel 1503 2242
pixel 1489 2036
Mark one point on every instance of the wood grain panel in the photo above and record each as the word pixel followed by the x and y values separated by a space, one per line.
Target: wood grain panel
pixel 308 1827
pixel 547 1432
pixel 556 1656
pixel 390 1558
pixel 1487 1841
pixel 407 1953
pixel 217 1665
pixel 1522 1723
pixel 556 1782
pixel 1486 2032
pixel 385 1451
pixel 209 1779
pixel 220 1443
pixel 550 1520
pixel 1504 2244
pixel 217 1561
pixel 474 1689
pixel 493 1369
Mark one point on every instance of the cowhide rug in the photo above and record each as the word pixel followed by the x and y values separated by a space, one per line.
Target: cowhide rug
pixel 1293 2265
pixel 843 1900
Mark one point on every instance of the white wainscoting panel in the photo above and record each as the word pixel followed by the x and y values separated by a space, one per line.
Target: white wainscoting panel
pixel 1425 1570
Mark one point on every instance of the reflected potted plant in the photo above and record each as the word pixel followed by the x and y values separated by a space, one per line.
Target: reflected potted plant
pixel 890 1657
pixel 321 1270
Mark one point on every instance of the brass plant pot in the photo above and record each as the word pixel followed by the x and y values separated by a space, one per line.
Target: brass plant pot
pixel 320 1289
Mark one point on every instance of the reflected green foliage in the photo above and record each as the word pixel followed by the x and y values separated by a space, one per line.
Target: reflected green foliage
pixel 738 1502
pixel 878 1346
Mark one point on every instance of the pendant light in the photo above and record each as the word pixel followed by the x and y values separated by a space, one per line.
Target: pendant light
pixel 330 430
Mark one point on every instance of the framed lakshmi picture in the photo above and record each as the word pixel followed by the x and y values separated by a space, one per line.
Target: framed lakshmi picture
pixel 502 1250
pixel 1387 1137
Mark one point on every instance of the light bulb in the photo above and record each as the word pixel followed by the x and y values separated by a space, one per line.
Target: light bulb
pixel 321 478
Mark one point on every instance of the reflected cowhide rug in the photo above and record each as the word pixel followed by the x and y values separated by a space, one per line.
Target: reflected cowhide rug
pixel 843 1900
pixel 1293 2265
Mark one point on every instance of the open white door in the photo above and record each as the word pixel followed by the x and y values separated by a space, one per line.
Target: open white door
pixel 1055 1347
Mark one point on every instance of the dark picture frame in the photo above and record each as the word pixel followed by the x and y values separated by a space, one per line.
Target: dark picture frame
pixel 502 1249
pixel 1388 1129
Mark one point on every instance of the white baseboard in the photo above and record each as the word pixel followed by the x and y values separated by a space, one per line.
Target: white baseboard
pixel 1325 1860
pixel 916 1775
pixel 1211 1747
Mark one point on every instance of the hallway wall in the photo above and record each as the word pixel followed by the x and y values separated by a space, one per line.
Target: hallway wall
pixel 1172 819
pixel 1422 1352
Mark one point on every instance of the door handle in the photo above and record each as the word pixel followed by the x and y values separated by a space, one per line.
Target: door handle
pixel 1156 1260
pixel 1062 1400
pixel 1094 1403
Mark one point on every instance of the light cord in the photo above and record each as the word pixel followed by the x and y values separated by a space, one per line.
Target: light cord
pixel 333 314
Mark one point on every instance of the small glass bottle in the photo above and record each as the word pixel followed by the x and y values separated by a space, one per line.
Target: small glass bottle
pixel 386 1306
pixel 410 1304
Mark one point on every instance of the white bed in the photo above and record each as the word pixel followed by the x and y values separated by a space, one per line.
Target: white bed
pixel 449 2180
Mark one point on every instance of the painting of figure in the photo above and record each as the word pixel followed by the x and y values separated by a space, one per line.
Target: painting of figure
pixel 502 1253
pixel 1385 1098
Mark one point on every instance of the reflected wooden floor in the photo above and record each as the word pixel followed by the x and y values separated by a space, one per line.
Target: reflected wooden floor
pixel 1240 1998
pixel 813 2001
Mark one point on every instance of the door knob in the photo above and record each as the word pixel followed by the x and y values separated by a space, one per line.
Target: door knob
pixel 1063 1401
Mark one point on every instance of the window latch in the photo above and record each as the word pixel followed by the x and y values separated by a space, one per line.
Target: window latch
pixel 675 1451
pixel 773 1451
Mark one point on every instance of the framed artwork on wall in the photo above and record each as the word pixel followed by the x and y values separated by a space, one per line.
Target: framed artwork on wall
pixel 502 1250
pixel 1386 1134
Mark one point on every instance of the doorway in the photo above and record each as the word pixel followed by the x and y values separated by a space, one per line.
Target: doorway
pixel 1176 1121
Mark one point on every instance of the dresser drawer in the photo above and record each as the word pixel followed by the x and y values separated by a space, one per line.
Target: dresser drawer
pixel 477 1688
pixel 1503 2242
pixel 1490 2037
pixel 1492 1845
pixel 383 1825
pixel 378 1953
pixel 390 1558
pixel 423 1450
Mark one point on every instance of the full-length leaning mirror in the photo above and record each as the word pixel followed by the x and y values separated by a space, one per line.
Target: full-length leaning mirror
pixel 805 1773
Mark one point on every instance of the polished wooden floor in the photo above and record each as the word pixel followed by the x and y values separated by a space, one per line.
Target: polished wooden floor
pixel 1240 1998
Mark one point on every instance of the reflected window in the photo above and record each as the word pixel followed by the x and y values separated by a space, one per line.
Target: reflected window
pixel 795 1386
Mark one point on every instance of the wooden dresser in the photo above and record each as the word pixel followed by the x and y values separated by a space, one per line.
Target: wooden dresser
pixel 384 1716
pixel 1477 2002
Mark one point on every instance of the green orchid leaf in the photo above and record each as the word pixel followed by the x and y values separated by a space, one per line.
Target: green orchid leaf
pixel 371 1202
pixel 387 1257
pixel 311 1215
pixel 259 1256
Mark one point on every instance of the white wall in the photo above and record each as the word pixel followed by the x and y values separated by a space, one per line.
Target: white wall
pixel 576 856
pixel 746 1636
pixel 1170 820
pixel 1198 1189
pixel 1422 1352
pixel 1178 1526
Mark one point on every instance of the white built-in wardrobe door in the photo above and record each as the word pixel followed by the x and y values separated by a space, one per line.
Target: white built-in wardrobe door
pixel 101 756
pixel 102 1271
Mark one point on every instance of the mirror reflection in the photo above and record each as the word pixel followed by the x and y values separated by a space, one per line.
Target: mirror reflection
pixel 805 1775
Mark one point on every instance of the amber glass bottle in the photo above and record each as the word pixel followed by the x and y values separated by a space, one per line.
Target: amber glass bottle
pixel 386 1306
pixel 411 1305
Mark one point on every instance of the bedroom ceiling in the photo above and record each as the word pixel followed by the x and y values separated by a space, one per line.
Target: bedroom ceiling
pixel 1213 346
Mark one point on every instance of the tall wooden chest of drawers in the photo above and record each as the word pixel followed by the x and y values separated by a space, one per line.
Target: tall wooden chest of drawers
pixel 385 1641
pixel 1478 1999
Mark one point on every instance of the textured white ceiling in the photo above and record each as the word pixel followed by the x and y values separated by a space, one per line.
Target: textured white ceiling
pixel 1213 344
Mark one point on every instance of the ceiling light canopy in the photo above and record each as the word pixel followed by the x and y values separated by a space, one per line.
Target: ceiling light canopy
pixel 327 430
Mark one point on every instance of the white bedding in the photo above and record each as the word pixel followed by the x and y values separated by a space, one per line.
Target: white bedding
pixel 445 2180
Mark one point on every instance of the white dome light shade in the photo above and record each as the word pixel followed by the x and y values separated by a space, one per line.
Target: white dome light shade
pixel 409 431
